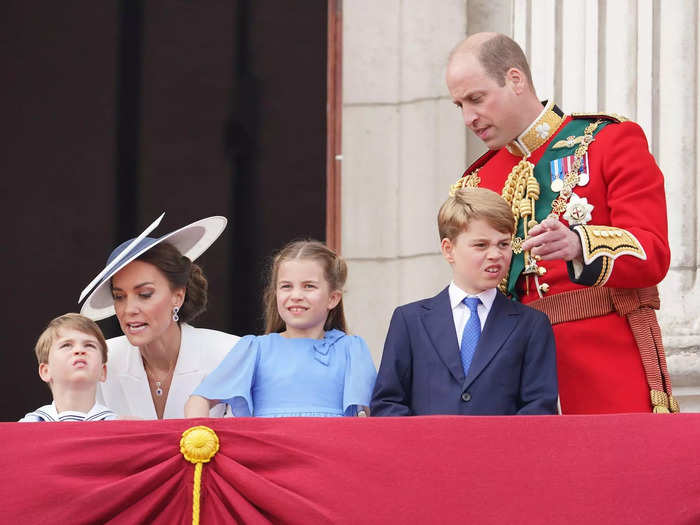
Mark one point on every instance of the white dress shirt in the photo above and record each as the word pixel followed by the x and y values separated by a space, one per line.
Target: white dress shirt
pixel 460 312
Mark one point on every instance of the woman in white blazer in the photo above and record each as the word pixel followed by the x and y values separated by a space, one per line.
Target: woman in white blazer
pixel 155 290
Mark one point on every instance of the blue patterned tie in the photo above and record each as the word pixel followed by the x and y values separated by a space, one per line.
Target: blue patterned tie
pixel 471 334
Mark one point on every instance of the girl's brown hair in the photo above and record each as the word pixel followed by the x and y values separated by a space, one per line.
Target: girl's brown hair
pixel 334 269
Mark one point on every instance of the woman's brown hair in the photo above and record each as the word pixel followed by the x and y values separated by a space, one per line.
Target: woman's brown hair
pixel 180 273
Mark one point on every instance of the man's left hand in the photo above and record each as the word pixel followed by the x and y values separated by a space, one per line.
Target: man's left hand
pixel 552 240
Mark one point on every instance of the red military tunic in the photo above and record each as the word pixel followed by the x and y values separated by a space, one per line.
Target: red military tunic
pixel 598 360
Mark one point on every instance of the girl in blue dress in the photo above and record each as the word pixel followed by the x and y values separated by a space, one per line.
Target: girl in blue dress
pixel 305 365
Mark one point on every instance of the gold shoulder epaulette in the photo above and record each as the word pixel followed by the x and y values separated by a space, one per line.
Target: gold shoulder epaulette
pixel 470 177
pixel 613 117
pixel 478 163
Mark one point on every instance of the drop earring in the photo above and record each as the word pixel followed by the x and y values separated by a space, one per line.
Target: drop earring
pixel 176 309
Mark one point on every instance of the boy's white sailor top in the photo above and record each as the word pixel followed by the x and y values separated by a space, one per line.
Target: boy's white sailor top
pixel 48 413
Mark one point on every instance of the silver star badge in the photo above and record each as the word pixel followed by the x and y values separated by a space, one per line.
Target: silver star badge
pixel 578 211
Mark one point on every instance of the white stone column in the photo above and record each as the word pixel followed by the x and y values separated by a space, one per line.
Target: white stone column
pixel 678 157
pixel 403 145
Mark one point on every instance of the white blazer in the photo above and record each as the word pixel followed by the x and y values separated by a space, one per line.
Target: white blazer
pixel 126 390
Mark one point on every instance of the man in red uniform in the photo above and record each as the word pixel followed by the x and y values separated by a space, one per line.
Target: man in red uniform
pixel 591 242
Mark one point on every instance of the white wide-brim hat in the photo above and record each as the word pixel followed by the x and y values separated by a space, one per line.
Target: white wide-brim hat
pixel 191 241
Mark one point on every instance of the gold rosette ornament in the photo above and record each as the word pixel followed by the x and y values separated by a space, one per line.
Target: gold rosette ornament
pixel 198 445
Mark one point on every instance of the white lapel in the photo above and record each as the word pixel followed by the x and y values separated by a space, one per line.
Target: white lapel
pixel 187 374
pixel 134 385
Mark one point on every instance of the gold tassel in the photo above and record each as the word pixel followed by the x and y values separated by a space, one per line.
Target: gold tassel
pixel 198 445
pixel 660 402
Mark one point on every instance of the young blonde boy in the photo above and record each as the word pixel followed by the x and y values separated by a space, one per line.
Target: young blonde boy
pixel 72 356
pixel 469 349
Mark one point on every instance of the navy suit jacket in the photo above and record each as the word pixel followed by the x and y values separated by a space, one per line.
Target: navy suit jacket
pixel 513 370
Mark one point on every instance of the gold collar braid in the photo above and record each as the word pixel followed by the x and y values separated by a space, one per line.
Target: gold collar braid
pixel 539 132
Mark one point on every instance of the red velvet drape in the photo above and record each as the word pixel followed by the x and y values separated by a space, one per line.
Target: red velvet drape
pixel 617 469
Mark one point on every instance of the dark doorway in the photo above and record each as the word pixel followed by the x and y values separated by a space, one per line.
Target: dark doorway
pixel 117 111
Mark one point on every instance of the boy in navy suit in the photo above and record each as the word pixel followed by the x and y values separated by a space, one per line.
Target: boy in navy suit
pixel 469 349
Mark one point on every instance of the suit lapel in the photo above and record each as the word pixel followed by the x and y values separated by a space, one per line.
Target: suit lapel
pixel 440 326
pixel 499 325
